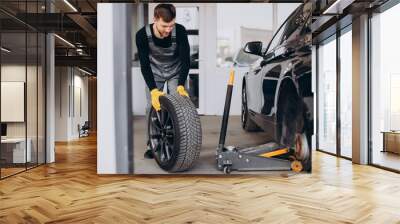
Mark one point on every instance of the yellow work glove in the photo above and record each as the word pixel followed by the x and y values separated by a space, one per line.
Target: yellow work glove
pixel 181 90
pixel 155 98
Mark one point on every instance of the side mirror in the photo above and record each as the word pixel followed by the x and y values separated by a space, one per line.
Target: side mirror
pixel 254 47
pixel 243 59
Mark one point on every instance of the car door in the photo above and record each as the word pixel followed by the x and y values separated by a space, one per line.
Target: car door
pixel 270 71
pixel 255 85
pixel 253 91
pixel 262 80
pixel 281 57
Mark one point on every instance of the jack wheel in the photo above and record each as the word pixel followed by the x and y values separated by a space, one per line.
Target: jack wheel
pixel 296 166
pixel 227 169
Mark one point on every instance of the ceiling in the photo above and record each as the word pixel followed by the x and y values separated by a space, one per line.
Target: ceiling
pixel 75 23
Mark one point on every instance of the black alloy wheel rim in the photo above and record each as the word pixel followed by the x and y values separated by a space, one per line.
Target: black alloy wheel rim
pixel 162 136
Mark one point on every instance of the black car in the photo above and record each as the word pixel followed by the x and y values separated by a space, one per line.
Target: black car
pixel 276 94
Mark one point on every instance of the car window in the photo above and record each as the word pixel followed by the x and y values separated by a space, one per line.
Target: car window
pixel 277 39
pixel 306 15
pixel 292 24
pixel 285 30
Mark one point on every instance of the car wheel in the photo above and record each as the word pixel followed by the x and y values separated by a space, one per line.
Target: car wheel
pixel 175 133
pixel 247 124
pixel 292 127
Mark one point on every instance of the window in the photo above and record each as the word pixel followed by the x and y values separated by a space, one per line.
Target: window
pixel 385 89
pixel 334 63
pixel 327 96
pixel 286 30
pixel 292 24
pixel 22 65
pixel 346 94
pixel 277 40
pixel 394 101
pixel 234 31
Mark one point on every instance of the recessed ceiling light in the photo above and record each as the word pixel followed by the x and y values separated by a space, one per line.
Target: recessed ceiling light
pixel 64 40
pixel 338 6
pixel 84 71
pixel 70 5
pixel 5 50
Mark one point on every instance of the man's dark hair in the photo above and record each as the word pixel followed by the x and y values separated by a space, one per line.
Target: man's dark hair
pixel 165 11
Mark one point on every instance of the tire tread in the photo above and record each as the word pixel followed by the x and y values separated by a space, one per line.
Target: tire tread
pixel 188 130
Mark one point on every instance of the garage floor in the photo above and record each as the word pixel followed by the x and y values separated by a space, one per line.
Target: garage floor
pixel 211 126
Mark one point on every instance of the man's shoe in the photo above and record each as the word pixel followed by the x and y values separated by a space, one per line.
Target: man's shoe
pixel 148 154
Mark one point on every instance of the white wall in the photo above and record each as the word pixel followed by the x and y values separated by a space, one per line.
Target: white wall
pixel 106 156
pixel 67 81
pixel 80 83
pixel 13 72
pixel 114 104
pixel 61 103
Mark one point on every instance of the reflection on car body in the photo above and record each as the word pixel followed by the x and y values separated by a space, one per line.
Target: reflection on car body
pixel 276 94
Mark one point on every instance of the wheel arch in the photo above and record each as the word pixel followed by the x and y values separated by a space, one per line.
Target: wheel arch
pixel 286 87
pixel 244 84
pixel 244 81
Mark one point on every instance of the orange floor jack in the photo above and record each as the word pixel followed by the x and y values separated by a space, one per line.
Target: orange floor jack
pixel 267 157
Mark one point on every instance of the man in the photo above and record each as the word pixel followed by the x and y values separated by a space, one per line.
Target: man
pixel 164 55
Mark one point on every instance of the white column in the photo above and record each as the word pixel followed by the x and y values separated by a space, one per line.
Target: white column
pixel 114 104
pixel 360 90
pixel 208 58
pixel 50 99
pixel 314 73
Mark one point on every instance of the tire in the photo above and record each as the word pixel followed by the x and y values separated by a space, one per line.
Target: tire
pixel 292 128
pixel 247 124
pixel 175 133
